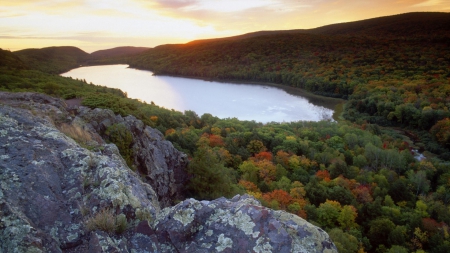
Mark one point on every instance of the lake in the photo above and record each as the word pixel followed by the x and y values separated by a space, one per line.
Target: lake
pixel 261 103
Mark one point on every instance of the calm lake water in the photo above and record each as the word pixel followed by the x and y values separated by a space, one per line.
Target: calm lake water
pixel 224 100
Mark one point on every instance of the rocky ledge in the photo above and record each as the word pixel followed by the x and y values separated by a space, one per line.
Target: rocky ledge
pixel 63 188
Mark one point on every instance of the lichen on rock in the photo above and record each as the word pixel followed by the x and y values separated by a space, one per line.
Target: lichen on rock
pixel 51 183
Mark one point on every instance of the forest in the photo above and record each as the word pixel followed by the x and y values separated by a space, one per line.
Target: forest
pixel 396 78
pixel 377 180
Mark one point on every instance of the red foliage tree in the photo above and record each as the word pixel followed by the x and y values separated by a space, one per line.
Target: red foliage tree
pixel 430 225
pixel 216 141
pixel 323 175
pixel 363 194
pixel 264 155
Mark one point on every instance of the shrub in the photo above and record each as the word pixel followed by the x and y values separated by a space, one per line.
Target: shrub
pixel 122 137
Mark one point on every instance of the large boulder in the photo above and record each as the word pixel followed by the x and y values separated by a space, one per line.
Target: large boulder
pixel 237 225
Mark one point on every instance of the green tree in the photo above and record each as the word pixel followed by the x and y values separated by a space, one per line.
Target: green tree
pixel 420 182
pixel 397 249
pixel 347 217
pixel 256 146
pixel 380 230
pixel 123 138
pixel 210 178
pixel 345 243
pixel 328 213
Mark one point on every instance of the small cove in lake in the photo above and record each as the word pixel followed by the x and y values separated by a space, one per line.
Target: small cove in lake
pixel 261 103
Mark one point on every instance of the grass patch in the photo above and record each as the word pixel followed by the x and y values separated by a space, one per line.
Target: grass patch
pixel 77 133
pixel 107 221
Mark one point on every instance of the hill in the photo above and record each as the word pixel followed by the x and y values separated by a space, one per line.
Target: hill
pixel 414 24
pixel 397 76
pixel 408 24
pixel 10 60
pixel 114 55
pixel 117 52
pixel 53 60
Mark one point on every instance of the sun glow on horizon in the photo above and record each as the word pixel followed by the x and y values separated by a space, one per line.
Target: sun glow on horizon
pixel 98 24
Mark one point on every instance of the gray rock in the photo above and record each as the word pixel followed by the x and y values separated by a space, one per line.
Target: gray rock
pixel 49 185
pixel 237 225
pixel 51 188
pixel 157 159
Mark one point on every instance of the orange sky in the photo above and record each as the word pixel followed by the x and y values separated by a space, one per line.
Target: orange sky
pixel 99 24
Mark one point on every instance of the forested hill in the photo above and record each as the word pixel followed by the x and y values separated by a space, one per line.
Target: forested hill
pixel 389 78
pixel 10 61
pixel 329 60
pixel 57 60
pixel 406 25
pixel 118 51
pixel 53 60
pixel 114 55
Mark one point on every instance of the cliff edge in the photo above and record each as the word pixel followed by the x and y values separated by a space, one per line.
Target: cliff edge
pixel 64 188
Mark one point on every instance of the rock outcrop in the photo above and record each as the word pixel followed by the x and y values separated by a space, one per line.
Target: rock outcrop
pixel 162 165
pixel 237 225
pixel 77 194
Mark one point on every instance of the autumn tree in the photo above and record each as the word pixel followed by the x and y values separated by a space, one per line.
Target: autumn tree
pixel 256 146
pixel 347 217
pixel 280 196
pixel 441 131
pixel 267 171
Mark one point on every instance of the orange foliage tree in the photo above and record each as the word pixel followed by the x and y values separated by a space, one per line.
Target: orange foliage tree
pixel 363 194
pixel 323 175
pixel 215 141
pixel 441 130
pixel 281 196
pixel 264 155
pixel 267 170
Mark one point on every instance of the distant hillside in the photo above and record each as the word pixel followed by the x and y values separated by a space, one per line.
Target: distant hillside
pixel 317 60
pixel 392 69
pixel 54 60
pixel 415 24
pixel 117 52
pixel 114 55
pixel 10 60
pixel 408 24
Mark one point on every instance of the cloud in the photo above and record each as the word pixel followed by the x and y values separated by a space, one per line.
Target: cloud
pixel 428 3
pixel 186 6
pixel 173 21
pixel 175 4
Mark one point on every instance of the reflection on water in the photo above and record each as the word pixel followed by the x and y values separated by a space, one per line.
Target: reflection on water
pixel 224 100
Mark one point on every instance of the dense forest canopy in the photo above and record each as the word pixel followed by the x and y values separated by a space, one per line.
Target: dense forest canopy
pixel 393 70
pixel 361 179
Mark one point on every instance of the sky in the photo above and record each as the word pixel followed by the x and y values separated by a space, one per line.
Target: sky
pixel 101 24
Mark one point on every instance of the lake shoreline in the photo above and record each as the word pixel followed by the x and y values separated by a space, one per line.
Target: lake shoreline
pixel 279 106
pixel 327 102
